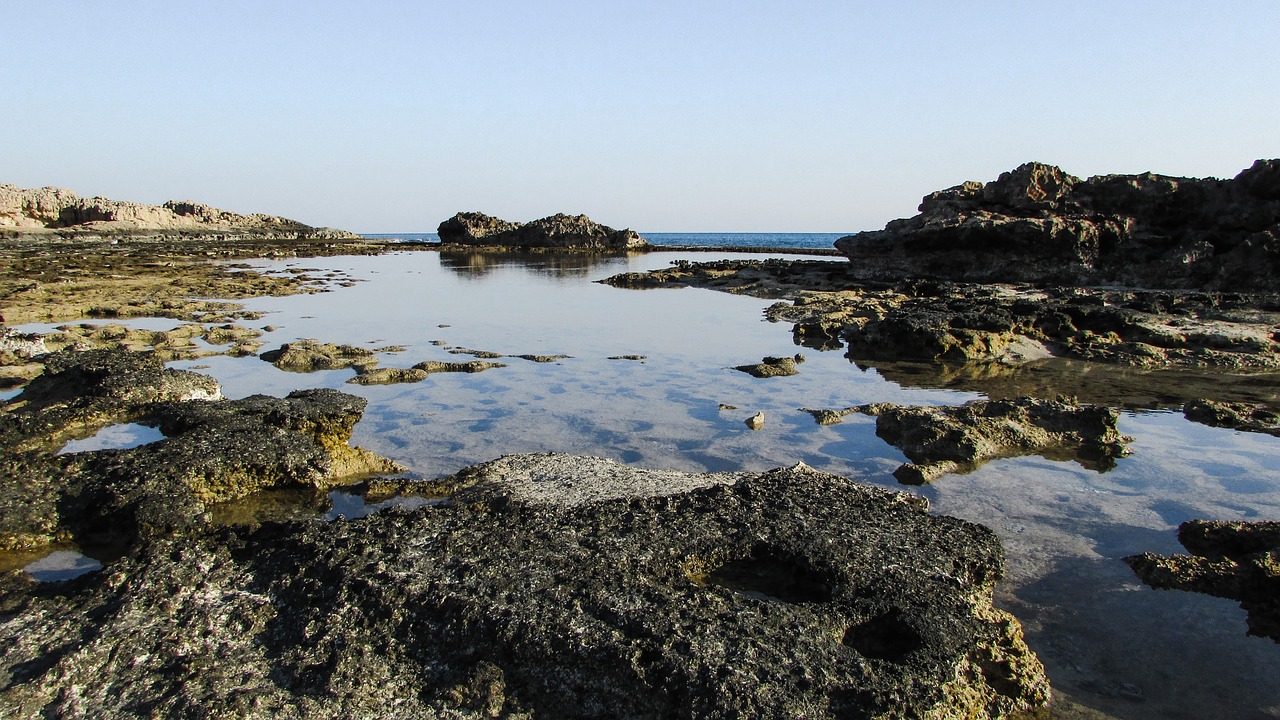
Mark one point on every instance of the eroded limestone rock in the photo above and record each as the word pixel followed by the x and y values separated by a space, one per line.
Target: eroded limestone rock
pixel 1236 415
pixel 1039 224
pixel 773 367
pixel 311 355
pixel 789 593
pixel 556 231
pixel 946 439
pixel 1235 560
pixel 215 450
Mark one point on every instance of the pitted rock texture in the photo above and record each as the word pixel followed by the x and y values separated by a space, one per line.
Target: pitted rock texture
pixel 1039 224
pixel 773 367
pixel 1235 560
pixel 556 231
pixel 790 593
pixel 1236 415
pixel 215 450
pixel 1008 325
pixel 51 208
pixel 946 439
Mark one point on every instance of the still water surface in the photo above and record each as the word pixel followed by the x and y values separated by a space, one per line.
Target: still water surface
pixel 1109 642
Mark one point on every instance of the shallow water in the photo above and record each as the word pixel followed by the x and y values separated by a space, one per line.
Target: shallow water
pixel 1109 642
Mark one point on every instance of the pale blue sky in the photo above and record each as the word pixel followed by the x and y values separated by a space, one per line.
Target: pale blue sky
pixel 660 116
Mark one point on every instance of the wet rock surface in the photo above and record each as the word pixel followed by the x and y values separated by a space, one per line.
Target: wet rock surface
pixel 773 367
pixel 214 450
pixel 1236 415
pixel 789 593
pixel 1039 224
pixel 556 231
pixel 312 355
pixel 1235 560
pixel 946 439
pixel 964 323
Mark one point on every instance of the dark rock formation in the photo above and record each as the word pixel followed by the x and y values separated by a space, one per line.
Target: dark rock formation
pixel 556 231
pixel 50 208
pixel 1039 224
pixel 791 593
pixel 215 450
pixel 1009 325
pixel 773 367
pixel 368 375
pixel 946 439
pixel 1237 415
pixel 1236 560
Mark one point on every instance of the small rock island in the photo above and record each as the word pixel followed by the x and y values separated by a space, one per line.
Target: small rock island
pixel 558 231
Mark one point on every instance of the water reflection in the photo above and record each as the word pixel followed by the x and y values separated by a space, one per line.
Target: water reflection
pixel 565 266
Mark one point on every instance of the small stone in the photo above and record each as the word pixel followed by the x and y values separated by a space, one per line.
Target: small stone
pixel 755 422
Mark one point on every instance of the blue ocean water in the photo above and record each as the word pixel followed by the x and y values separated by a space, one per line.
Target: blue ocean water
pixel 794 241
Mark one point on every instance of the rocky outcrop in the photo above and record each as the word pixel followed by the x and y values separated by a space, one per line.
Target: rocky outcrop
pixel 51 208
pixel 215 450
pixel 773 367
pixel 1236 415
pixel 1039 224
pixel 556 231
pixel 1235 560
pixel 307 355
pixel 946 439
pixel 789 593
pixel 962 323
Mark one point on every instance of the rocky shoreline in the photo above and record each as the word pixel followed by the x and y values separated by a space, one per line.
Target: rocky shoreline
pixel 547 586
pixel 563 586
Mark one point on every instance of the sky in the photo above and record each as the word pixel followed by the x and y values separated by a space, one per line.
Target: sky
pixel 689 116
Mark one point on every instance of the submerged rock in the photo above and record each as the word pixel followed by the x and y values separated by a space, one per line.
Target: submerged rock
pixel 1235 560
pixel 947 439
pixel 789 593
pixel 556 231
pixel 1039 224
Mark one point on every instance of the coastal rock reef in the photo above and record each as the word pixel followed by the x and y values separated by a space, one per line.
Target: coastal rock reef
pixel 1039 224
pixel 788 593
pixel 544 585
pixel 1235 560
pixel 26 210
pixel 557 231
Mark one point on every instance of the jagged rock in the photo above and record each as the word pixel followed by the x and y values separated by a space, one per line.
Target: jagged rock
pixel 773 367
pixel 311 355
pixel 81 392
pixel 436 366
pixel 790 593
pixel 387 376
pixel 1237 415
pixel 214 450
pixel 1039 224
pixel 755 422
pixel 963 323
pixel 946 439
pixel 51 208
pixel 556 231
pixel 1235 560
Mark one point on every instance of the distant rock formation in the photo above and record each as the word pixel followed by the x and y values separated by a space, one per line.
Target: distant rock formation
pixel 50 208
pixel 557 231
pixel 1039 224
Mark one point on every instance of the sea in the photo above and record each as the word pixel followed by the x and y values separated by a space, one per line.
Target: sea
pixel 779 241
